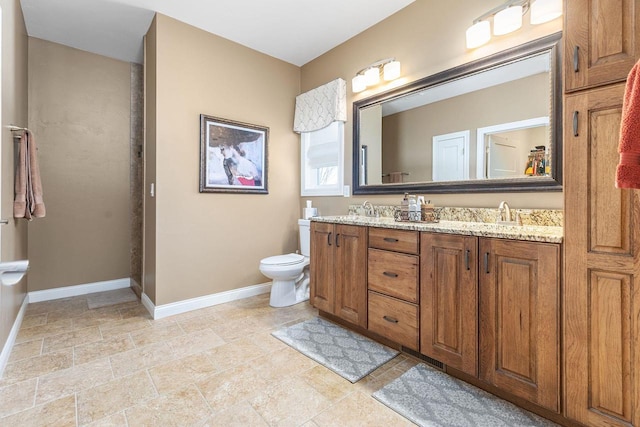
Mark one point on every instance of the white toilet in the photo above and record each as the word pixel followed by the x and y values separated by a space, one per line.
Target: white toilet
pixel 289 272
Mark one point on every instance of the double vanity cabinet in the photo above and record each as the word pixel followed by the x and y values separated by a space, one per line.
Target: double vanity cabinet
pixel 485 307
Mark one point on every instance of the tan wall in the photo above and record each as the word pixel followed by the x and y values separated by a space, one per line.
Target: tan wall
pixel 14 111
pixel 427 36
pixel 209 243
pixel 149 208
pixel 79 110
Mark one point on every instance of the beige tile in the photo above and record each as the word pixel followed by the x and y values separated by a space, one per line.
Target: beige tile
pixel 180 373
pixel 17 397
pixel 156 333
pixel 124 326
pixel 234 353
pixel 240 415
pixel 230 387
pixel 359 410
pixel 36 366
pixel 88 352
pixel 110 298
pixel 26 350
pixel 66 313
pixel 198 323
pixel 113 397
pixel 233 329
pixel 97 317
pixel 71 339
pixel 180 408
pixel 128 362
pixel 328 383
pixel 282 364
pixel 58 413
pixel 29 321
pixel 42 331
pixel 134 310
pixel 371 384
pixel 56 305
pixel 289 403
pixel 195 342
pixel 115 420
pixel 68 381
pixel 267 342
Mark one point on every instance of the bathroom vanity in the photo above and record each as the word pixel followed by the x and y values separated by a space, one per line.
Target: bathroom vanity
pixel 480 300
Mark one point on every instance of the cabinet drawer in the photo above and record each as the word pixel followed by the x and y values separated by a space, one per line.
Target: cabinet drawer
pixel 394 240
pixel 393 274
pixel 394 319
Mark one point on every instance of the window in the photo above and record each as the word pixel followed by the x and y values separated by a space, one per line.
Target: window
pixel 322 161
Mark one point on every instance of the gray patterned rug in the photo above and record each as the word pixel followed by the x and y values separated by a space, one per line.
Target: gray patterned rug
pixel 346 353
pixel 432 398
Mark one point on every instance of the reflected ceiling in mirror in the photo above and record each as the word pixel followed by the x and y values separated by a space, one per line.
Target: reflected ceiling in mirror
pixel 491 125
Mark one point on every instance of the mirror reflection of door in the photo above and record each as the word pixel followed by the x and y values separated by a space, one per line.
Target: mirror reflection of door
pixel 451 156
pixel 502 158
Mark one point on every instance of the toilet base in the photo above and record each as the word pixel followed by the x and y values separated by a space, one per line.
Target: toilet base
pixel 285 293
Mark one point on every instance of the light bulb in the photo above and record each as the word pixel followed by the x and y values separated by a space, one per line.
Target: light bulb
pixel 391 70
pixel 507 20
pixel 478 34
pixel 545 10
pixel 372 76
pixel 358 83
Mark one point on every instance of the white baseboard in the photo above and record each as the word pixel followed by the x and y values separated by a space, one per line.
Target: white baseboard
pixel 165 310
pixel 73 291
pixel 11 339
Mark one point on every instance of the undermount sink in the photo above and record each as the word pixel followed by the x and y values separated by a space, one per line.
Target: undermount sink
pixel 11 272
pixel 511 223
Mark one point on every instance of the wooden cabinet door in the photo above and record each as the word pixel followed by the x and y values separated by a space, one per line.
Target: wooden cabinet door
pixel 351 274
pixel 602 41
pixel 519 319
pixel 322 268
pixel 602 294
pixel 449 300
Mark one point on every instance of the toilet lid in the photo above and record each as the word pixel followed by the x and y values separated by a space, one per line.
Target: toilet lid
pixel 288 259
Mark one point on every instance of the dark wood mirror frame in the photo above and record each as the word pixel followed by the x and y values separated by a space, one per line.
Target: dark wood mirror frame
pixel 552 44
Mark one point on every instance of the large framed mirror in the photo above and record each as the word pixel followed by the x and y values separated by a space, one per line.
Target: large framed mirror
pixel 491 125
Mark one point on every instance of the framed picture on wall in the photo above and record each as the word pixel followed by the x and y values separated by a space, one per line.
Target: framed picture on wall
pixel 233 156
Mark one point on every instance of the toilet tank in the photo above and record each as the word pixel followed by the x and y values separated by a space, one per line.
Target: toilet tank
pixel 304 226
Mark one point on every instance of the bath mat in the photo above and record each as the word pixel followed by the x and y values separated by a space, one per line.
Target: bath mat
pixel 346 353
pixel 104 299
pixel 431 398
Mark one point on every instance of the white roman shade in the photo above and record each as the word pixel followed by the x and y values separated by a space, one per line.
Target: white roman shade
pixel 319 107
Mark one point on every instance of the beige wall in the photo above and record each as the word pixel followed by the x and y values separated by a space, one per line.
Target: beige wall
pixel 79 110
pixel 428 36
pixel 14 111
pixel 209 243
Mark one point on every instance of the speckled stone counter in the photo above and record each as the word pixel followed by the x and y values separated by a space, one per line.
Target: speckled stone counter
pixel 534 233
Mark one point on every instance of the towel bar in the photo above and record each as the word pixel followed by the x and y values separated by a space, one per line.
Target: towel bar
pixel 4 221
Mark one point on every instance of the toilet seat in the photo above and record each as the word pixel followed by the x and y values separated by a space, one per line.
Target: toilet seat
pixel 283 260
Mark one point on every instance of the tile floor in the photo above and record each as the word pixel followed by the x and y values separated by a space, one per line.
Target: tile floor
pixel 218 366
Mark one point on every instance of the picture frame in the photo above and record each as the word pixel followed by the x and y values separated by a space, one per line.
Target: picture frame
pixel 233 156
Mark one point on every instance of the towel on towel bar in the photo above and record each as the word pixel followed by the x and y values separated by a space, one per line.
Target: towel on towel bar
pixel 628 170
pixel 28 201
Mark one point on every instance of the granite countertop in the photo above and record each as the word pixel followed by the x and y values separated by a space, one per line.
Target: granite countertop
pixel 534 233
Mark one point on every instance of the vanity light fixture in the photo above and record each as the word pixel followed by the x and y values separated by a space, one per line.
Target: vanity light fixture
pixel 370 75
pixel 508 17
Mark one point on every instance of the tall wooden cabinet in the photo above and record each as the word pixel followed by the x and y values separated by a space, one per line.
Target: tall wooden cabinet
pixel 339 273
pixel 602 245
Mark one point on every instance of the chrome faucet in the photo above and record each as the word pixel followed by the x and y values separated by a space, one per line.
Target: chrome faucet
pixel 505 212
pixel 369 210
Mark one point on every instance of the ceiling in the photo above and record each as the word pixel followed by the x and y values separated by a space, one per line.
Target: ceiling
pixel 295 31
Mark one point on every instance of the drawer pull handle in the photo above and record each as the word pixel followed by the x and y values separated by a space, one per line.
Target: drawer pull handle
pixel 575 123
pixel 329 239
pixel 390 240
pixel 390 319
pixel 467 253
pixel 337 241
pixel 388 274
pixel 576 62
